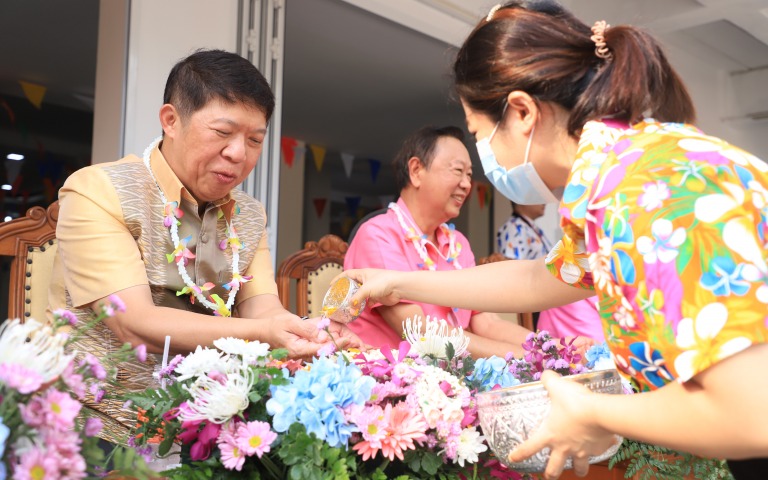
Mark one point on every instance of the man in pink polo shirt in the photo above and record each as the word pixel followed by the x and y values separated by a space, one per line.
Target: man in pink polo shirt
pixel 434 173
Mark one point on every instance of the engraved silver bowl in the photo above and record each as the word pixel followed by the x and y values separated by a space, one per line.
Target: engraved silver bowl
pixel 509 415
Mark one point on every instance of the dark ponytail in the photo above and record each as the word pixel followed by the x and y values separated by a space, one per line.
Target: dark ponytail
pixel 542 49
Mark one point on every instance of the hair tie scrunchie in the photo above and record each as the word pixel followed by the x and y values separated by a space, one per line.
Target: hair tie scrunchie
pixel 493 11
pixel 601 48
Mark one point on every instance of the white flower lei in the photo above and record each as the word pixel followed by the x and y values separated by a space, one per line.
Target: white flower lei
pixel 217 305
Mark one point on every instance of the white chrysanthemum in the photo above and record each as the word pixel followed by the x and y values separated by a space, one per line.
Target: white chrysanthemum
pixel 470 446
pixel 35 346
pixel 244 348
pixel 435 337
pixel 199 363
pixel 435 405
pixel 218 402
pixel 375 354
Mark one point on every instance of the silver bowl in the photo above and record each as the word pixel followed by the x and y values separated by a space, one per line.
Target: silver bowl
pixel 509 415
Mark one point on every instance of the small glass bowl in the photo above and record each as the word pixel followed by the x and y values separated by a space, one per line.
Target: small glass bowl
pixel 337 303
pixel 509 415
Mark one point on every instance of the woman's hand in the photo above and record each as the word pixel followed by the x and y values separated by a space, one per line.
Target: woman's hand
pixel 570 430
pixel 378 286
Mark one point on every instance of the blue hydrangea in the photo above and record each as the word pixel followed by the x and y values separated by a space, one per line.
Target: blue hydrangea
pixel 315 398
pixel 4 432
pixel 597 352
pixel 492 371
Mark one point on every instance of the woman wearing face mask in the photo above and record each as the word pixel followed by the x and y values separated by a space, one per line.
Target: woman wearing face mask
pixel 665 224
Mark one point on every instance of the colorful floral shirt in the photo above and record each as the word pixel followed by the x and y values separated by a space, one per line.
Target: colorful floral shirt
pixel 521 239
pixel 669 226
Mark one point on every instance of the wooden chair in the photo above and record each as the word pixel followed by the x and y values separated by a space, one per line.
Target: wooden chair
pixel 524 319
pixel 31 242
pixel 311 269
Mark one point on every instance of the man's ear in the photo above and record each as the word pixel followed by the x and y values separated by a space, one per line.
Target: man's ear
pixel 415 169
pixel 169 120
pixel 523 109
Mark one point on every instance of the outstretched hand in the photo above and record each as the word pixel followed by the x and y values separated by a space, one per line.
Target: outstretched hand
pixel 569 431
pixel 376 285
pixel 303 338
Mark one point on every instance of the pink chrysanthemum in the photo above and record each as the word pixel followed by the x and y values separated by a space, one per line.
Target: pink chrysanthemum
pixel 20 377
pixel 404 426
pixel 370 421
pixel 36 464
pixel 232 457
pixel 255 438
pixel 60 409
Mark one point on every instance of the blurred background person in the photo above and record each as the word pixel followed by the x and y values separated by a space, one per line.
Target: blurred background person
pixel 434 173
pixel 521 239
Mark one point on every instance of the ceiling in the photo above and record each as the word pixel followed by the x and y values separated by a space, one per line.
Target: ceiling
pixel 360 83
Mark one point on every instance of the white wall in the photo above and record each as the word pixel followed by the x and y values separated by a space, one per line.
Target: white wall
pixel 161 33
pixel 111 66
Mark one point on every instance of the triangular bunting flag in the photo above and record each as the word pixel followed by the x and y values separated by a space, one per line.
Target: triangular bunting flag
pixel 481 189
pixel 352 204
pixel 287 145
pixel 375 166
pixel 8 109
pixel 347 159
pixel 318 154
pixel 34 93
pixel 319 205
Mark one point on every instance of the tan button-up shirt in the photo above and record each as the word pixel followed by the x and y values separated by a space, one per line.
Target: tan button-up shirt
pixel 111 237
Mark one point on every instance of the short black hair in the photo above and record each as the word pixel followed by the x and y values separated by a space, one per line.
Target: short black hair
pixel 420 144
pixel 215 74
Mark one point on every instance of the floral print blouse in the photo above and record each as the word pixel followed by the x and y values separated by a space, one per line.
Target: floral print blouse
pixel 521 239
pixel 669 226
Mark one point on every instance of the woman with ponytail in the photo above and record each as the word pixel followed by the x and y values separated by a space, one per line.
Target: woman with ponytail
pixel 666 224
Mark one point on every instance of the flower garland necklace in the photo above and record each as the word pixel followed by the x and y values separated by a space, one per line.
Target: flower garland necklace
pixel 419 241
pixel 181 254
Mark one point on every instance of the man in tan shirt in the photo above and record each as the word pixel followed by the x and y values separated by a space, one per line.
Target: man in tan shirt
pixel 162 231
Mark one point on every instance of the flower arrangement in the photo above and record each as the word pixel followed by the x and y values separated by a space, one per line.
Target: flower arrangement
pixel 243 410
pixel 44 433
pixel 542 352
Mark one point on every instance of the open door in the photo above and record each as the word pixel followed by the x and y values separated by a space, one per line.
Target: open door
pixel 262 38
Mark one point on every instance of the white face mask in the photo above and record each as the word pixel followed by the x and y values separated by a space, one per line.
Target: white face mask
pixel 521 184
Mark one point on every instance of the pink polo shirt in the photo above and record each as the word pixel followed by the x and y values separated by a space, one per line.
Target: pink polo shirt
pixel 381 243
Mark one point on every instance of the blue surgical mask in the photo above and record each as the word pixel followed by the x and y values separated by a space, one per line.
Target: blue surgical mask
pixel 521 184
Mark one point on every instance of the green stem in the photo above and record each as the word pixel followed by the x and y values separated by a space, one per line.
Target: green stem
pixel 273 469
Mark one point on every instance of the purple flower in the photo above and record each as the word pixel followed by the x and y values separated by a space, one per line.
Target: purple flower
pixel 324 323
pixel 93 426
pixel 66 315
pixel 141 353
pixel 117 303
